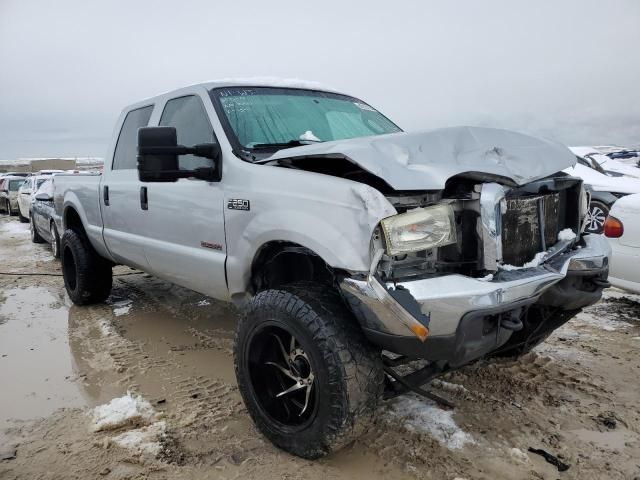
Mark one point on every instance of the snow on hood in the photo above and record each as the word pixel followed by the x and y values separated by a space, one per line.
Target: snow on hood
pixel 426 160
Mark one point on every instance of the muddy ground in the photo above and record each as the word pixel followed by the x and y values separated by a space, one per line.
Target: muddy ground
pixel 576 396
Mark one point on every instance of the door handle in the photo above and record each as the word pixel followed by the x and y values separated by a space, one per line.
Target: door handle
pixel 105 195
pixel 144 202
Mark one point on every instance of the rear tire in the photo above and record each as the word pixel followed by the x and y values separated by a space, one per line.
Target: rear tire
pixel 87 276
pixel 10 210
pixel 344 372
pixel 35 236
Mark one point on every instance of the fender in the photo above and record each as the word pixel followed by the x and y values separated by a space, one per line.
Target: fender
pixel 339 231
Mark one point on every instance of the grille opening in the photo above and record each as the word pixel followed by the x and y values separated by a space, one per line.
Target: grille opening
pixel 528 216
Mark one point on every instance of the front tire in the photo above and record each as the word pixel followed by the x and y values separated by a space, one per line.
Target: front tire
pixel 55 241
pixel 308 377
pixel 596 216
pixel 87 276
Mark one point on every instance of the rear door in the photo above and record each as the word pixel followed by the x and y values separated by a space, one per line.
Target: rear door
pixel 184 220
pixel 123 233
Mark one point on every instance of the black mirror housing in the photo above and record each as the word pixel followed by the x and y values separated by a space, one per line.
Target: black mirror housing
pixel 158 152
pixel 43 197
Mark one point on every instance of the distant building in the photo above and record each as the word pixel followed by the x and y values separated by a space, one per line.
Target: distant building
pixel 37 164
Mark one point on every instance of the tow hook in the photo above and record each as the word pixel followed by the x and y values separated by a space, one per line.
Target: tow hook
pixel 511 320
pixel 599 282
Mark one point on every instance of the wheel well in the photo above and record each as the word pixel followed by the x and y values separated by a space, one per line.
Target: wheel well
pixel 72 220
pixel 279 263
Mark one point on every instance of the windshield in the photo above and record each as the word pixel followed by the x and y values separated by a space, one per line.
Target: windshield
pixel 262 118
pixel 14 185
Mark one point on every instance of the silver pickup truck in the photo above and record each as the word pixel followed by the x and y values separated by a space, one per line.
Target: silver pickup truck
pixel 353 248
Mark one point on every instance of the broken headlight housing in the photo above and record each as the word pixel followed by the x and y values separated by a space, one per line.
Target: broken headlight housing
pixel 419 229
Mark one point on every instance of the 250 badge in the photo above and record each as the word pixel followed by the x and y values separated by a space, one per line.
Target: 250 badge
pixel 238 204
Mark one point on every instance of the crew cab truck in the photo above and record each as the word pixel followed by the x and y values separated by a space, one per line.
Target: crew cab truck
pixel 352 246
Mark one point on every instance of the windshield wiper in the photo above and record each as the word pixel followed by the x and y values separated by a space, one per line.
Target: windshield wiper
pixel 289 144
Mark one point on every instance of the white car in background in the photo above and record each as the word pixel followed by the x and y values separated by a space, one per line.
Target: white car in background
pixel 606 186
pixel 622 228
pixel 27 193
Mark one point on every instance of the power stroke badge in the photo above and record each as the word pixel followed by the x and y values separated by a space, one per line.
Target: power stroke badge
pixel 238 204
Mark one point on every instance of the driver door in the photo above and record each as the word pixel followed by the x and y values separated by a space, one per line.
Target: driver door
pixel 184 220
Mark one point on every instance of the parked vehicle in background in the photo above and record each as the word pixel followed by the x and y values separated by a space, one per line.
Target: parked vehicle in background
pixel 48 172
pixel 14 174
pixel 27 193
pixel 42 221
pixel 611 166
pixel 9 186
pixel 606 188
pixel 622 229
pixel 626 156
pixel 342 236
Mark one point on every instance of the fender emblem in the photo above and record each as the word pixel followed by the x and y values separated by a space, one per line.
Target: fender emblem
pixel 238 204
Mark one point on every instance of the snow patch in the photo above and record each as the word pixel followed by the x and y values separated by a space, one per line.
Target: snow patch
pixel 106 328
pixel 16 227
pixel 537 260
pixel 448 386
pixel 519 455
pixel 308 135
pixel 203 303
pixel 600 322
pixel 422 415
pixel 127 410
pixel 143 440
pixel 486 278
pixel 268 81
pixel 121 307
pixel 566 235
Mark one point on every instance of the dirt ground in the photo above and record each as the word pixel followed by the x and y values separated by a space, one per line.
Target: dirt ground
pixel 576 397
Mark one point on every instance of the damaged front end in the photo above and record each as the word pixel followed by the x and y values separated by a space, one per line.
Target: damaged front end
pixel 507 265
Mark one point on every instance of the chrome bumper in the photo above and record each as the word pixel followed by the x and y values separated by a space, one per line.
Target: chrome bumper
pixel 446 299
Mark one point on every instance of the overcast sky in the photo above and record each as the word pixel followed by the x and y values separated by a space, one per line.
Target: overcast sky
pixel 566 70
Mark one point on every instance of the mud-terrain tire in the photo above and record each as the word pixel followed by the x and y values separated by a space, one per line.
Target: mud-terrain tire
pixel 35 236
pixel 87 276
pixel 55 240
pixel 347 369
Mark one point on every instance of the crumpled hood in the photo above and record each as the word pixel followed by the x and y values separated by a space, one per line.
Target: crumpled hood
pixel 426 160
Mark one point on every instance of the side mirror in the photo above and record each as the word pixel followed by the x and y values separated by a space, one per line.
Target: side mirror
pixel 43 197
pixel 158 152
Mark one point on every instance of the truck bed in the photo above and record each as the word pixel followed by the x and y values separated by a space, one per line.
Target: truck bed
pixel 82 193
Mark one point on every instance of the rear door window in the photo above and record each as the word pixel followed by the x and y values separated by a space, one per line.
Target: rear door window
pixel 188 116
pixel 126 153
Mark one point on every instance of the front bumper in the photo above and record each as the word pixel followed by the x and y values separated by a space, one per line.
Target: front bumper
pixel 455 306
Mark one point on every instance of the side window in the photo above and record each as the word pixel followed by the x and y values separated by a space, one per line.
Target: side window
pixel 188 116
pixel 125 156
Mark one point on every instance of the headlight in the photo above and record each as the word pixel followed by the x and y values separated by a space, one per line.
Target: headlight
pixel 419 229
